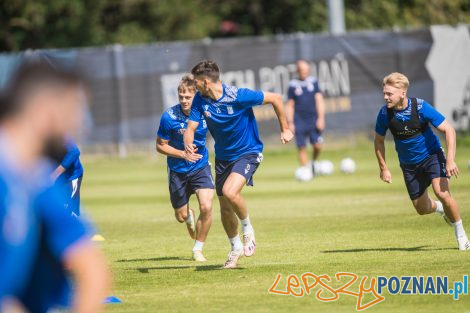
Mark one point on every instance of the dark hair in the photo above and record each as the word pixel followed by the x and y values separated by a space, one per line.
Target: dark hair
pixel 30 77
pixel 207 68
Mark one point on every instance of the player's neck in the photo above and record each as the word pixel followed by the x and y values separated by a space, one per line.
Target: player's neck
pixel 401 106
pixel 24 144
pixel 216 92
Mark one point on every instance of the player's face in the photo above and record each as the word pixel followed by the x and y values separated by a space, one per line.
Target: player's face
pixel 185 97
pixel 393 96
pixel 202 85
pixel 303 70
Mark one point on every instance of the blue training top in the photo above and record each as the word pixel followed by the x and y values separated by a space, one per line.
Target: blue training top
pixel 231 121
pixel 173 124
pixel 71 162
pixel 35 235
pixel 416 149
pixel 303 93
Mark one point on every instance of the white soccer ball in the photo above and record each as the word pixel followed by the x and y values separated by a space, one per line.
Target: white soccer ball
pixel 304 173
pixel 326 167
pixel 348 166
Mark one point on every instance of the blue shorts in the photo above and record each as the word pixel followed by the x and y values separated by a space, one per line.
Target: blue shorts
pixel 418 177
pixel 73 195
pixel 183 185
pixel 303 131
pixel 246 165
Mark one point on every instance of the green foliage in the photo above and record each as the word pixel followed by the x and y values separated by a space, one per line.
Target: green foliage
pixel 26 24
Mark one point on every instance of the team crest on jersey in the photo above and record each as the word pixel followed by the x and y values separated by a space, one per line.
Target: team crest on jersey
pixel 229 109
pixel 218 110
pixel 206 107
pixel 207 114
pixel 204 124
pixel 298 91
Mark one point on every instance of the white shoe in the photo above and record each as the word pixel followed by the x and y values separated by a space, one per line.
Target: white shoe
pixel 198 256
pixel 192 225
pixel 249 244
pixel 233 257
pixel 464 243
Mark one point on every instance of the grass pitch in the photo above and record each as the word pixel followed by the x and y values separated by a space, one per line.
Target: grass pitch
pixel 339 223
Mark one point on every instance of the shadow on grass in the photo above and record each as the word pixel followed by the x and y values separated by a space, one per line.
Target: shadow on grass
pixel 197 268
pixel 411 249
pixel 165 258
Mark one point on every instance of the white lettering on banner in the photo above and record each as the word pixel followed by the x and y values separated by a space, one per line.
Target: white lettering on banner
pixel 332 75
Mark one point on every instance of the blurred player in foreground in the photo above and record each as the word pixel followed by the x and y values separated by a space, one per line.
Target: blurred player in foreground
pixel 187 173
pixel 68 175
pixel 305 112
pixel 238 148
pixel 38 238
pixel 419 151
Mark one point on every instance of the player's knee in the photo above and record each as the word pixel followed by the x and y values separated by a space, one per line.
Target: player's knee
pixel 205 208
pixel 422 208
pixel 443 196
pixel 230 194
pixel 180 216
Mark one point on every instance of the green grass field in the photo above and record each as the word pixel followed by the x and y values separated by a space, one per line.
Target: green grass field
pixel 340 223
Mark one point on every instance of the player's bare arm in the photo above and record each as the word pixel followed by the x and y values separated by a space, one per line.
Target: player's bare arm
pixel 320 111
pixel 276 100
pixel 91 274
pixel 188 138
pixel 290 110
pixel 164 147
pixel 379 145
pixel 449 131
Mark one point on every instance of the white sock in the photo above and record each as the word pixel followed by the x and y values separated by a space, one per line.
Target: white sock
pixel 236 243
pixel 458 228
pixel 439 208
pixel 198 245
pixel 246 226
pixel 189 219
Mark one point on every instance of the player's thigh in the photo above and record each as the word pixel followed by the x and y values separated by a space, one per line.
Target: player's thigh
pixel 422 202
pixel 233 184
pixel 205 197
pixel 441 187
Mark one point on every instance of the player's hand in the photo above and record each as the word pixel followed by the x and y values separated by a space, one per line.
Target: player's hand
pixel 452 169
pixel 286 136
pixel 194 157
pixel 190 149
pixel 320 124
pixel 386 176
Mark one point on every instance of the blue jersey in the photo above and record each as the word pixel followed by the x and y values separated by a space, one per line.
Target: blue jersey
pixel 303 93
pixel 416 149
pixel 71 163
pixel 35 234
pixel 173 124
pixel 231 121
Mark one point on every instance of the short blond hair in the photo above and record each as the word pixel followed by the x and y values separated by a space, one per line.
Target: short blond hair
pixel 397 80
pixel 187 82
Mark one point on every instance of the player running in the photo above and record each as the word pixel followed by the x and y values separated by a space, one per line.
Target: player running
pixel 187 174
pixel 306 112
pixel 238 148
pixel 68 175
pixel 419 151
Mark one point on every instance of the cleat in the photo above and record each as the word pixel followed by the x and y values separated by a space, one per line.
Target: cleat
pixel 198 256
pixel 464 243
pixel 249 244
pixel 233 257
pixel 192 225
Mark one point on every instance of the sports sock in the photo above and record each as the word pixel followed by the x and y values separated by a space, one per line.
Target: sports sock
pixel 236 243
pixel 198 245
pixel 246 226
pixel 458 228
pixel 189 219
pixel 439 208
